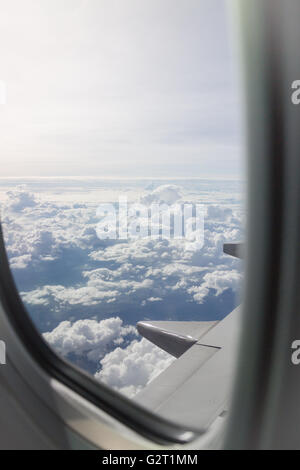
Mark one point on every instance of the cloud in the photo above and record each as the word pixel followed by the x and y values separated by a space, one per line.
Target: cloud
pixel 86 296
pixel 165 194
pixel 20 199
pixel 129 370
pixel 219 281
pixel 219 213
pixel 88 337
pixel 20 262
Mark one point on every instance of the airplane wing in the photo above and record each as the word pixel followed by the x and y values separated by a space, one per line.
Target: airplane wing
pixel 194 390
pixel 234 249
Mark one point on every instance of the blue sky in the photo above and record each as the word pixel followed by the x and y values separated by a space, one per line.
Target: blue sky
pixel 114 88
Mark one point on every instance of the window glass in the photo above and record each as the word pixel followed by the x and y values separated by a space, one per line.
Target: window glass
pixel 121 179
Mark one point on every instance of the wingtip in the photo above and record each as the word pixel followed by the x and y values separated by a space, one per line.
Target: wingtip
pixel 169 341
pixel 234 249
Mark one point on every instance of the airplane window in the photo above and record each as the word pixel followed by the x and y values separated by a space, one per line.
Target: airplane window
pixel 122 192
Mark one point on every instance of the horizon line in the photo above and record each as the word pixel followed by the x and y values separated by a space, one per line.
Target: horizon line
pixel 206 177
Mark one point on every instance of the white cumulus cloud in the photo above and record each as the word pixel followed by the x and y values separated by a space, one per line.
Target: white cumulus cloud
pixel 129 370
pixel 88 337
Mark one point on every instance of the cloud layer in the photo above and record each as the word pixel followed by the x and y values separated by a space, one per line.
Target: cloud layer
pixel 129 370
pixel 88 337
pixel 86 295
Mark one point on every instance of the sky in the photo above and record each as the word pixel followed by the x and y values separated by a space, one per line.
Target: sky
pixel 111 88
